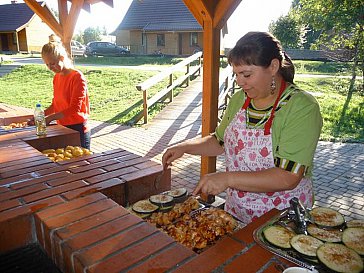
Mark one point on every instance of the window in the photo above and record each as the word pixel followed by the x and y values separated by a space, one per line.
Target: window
pixel 194 39
pixel 161 40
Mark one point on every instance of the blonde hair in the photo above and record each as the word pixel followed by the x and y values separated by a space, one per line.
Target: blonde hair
pixel 56 49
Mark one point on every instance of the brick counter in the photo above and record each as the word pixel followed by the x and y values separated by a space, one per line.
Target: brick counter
pixel 81 238
pixel 75 210
pixel 30 182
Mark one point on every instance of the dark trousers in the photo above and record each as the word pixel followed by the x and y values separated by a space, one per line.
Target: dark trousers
pixel 84 137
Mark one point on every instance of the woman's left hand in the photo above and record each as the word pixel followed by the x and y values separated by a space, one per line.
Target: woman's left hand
pixel 212 183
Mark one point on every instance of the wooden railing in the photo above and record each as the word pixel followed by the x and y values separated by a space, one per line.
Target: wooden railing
pixel 226 89
pixel 167 92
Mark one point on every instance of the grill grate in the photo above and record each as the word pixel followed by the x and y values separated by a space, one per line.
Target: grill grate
pixel 29 259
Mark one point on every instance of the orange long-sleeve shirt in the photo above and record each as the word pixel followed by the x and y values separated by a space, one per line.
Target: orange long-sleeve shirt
pixel 70 96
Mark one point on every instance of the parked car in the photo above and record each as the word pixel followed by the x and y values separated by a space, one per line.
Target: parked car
pixel 77 49
pixel 105 48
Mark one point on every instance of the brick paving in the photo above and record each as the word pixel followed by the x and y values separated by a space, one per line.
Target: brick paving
pixel 338 171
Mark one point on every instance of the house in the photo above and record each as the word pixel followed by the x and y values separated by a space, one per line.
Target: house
pixel 159 26
pixel 21 30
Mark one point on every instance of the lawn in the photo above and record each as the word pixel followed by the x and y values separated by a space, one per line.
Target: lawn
pixel 115 99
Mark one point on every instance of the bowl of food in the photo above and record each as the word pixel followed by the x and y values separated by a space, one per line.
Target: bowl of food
pixel 296 269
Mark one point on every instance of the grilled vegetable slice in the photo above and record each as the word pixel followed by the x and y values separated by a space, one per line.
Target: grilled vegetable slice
pixel 327 217
pixel 306 244
pixel 177 193
pixel 278 236
pixel 333 235
pixel 161 200
pixel 355 223
pixel 354 239
pixel 340 258
pixel 144 206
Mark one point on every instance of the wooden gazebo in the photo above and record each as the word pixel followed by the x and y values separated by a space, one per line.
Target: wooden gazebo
pixel 211 14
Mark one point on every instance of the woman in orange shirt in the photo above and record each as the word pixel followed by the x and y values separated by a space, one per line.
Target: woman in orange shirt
pixel 70 105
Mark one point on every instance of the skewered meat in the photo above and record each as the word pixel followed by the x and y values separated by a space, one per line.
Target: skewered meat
pixel 194 230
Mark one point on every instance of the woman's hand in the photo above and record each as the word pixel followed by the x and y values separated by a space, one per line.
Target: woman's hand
pixel 212 183
pixel 171 154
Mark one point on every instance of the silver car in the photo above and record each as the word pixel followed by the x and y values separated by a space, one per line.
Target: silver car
pixel 77 49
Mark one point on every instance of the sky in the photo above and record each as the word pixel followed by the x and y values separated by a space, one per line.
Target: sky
pixel 250 15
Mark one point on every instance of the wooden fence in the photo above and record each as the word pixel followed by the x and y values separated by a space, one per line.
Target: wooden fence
pixel 226 87
pixel 167 92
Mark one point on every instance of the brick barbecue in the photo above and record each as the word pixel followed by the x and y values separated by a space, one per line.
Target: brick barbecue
pixel 76 210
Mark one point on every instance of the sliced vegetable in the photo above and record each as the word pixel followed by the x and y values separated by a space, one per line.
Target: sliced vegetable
pixel 161 200
pixel 177 193
pixel 354 239
pixel 332 235
pixel 340 258
pixel 279 236
pixel 306 244
pixel 355 223
pixel 327 217
pixel 144 206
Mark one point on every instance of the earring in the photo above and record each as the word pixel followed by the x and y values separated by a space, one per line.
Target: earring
pixel 273 85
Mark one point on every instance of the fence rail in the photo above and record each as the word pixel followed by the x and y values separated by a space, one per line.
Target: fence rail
pixel 167 92
pixel 226 86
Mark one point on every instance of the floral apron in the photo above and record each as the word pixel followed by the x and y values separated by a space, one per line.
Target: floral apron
pixel 250 149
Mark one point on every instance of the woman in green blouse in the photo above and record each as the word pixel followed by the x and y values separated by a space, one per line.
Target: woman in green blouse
pixel 268 134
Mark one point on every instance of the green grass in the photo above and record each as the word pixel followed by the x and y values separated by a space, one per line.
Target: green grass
pixel 331 95
pixel 115 99
pixel 130 60
pixel 113 95
pixel 328 68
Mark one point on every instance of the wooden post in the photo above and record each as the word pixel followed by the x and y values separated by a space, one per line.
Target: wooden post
pixel 170 84
pixel 210 89
pixel 187 72
pixel 145 106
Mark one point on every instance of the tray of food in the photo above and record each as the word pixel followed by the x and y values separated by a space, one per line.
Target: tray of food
pixel 329 243
pixel 189 222
pixel 15 125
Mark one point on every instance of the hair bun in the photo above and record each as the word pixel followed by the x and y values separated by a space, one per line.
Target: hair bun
pixel 54 39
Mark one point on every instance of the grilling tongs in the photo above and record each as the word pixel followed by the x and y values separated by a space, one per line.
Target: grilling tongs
pixel 300 215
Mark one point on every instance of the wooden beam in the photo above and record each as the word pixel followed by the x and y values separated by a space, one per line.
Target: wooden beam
pixel 86 5
pixel 63 12
pixel 45 14
pixel 197 11
pixel 70 24
pixel 107 2
pixel 210 88
pixel 223 11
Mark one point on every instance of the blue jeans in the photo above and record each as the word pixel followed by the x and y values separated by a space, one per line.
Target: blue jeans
pixel 85 137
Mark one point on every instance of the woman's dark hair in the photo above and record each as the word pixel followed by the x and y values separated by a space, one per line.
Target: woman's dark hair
pixel 260 48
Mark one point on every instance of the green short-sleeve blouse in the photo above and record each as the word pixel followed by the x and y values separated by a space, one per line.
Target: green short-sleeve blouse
pixel 296 126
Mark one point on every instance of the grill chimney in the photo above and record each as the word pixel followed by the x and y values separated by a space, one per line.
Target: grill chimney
pixel 13 1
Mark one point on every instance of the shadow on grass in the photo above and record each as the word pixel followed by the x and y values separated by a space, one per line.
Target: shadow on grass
pixel 116 119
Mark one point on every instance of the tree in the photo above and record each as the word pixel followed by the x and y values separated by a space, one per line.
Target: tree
pixel 342 25
pixel 288 31
pixel 91 34
pixel 79 37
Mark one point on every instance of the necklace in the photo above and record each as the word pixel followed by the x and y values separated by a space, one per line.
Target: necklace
pixel 267 114
pixel 260 122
